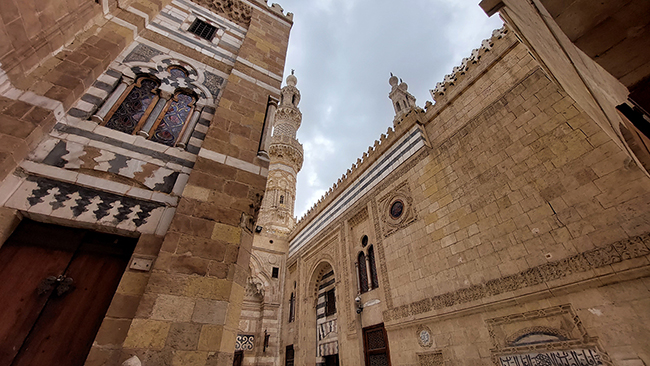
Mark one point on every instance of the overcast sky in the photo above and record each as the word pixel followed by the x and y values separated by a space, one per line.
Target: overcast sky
pixel 343 52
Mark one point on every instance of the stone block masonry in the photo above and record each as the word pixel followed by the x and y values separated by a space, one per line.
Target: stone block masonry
pixel 192 206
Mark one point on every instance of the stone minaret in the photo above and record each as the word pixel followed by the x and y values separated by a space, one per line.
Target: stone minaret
pixel 403 101
pixel 286 154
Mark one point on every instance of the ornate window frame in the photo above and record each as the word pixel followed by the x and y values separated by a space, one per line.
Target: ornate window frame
pixel 400 195
pixel 136 84
pixel 505 349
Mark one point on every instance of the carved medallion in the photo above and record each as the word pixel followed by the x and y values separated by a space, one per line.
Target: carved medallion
pixel 424 336
pixel 397 209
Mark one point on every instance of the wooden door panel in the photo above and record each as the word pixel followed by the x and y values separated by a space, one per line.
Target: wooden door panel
pixel 26 259
pixel 375 344
pixel 68 324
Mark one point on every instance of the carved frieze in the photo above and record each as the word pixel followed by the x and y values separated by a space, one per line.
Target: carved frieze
pixel 359 217
pixel 235 10
pixel 434 358
pixel 595 258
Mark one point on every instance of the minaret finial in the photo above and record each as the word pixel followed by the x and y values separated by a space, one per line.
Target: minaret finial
pixel 292 71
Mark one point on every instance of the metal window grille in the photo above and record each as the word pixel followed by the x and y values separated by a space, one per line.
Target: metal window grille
pixel 203 29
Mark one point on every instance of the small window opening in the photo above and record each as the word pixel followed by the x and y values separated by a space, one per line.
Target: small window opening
pixel 364 241
pixel 281 199
pixel 292 308
pixel 203 29
pixel 293 99
pixel 276 272
pixel 330 303
pixel 399 107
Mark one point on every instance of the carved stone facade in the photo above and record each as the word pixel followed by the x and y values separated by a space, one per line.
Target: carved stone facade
pixel 117 126
pixel 508 222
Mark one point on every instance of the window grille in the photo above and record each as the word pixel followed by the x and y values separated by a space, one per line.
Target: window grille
pixel 203 29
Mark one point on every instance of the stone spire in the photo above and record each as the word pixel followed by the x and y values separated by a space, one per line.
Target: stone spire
pixel 403 101
pixel 286 154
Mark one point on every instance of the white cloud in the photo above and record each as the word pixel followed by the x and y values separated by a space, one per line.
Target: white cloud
pixel 343 51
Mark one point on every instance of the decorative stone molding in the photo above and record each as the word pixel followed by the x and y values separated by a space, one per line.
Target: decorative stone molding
pixel 396 209
pixel 245 342
pixel 434 358
pixel 235 10
pixel 289 115
pixel 515 337
pixel 359 217
pixel 255 287
pixel 287 151
pixel 625 249
pixel 573 344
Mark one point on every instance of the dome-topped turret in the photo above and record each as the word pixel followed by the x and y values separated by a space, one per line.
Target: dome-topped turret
pixel 393 81
pixel 292 80
pixel 403 101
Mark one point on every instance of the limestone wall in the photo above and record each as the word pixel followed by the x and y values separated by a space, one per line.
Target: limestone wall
pixel 519 203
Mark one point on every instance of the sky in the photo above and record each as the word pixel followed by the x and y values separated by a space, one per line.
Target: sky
pixel 343 52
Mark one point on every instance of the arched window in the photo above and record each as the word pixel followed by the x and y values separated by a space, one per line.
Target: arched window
pixel 363 273
pixel 292 308
pixel 281 199
pixel 399 107
pixel 374 283
pixel 177 72
pixel 293 99
pixel 172 121
pixel 135 105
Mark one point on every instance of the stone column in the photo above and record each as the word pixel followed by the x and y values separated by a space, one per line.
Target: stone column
pixel 271 107
pixel 112 99
pixel 162 101
pixel 369 273
pixel 182 143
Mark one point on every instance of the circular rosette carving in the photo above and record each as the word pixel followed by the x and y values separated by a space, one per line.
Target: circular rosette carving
pixel 397 209
pixel 423 334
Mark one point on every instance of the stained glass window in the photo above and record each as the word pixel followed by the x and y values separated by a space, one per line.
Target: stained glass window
pixel 396 209
pixel 133 109
pixel 374 283
pixel 176 72
pixel 363 273
pixel 171 125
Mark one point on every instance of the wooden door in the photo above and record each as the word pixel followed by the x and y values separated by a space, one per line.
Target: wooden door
pixel 43 324
pixel 289 356
pixel 375 344
pixel 239 358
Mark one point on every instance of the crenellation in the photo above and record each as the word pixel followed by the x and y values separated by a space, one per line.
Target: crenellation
pixel 467 65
